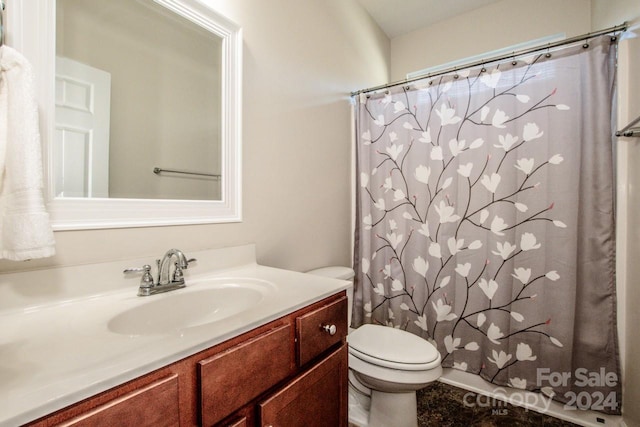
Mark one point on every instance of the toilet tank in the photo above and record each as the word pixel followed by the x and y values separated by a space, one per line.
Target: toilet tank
pixel 342 273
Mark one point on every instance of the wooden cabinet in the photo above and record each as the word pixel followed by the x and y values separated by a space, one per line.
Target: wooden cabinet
pixel 290 372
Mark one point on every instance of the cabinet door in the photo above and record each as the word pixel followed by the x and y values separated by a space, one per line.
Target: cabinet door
pixel 154 405
pixel 231 379
pixel 317 398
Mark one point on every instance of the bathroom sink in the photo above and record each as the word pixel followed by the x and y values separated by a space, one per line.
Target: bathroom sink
pixel 198 304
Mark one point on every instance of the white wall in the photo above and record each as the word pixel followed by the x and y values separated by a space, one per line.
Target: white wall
pixel 301 60
pixel 489 28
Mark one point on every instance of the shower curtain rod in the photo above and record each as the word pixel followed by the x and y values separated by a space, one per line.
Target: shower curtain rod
pixel 620 28
pixel 630 130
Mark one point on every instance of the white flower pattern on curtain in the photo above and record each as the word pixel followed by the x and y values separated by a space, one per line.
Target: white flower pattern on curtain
pixel 469 204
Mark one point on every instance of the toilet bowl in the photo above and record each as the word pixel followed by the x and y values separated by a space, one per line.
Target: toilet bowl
pixel 386 368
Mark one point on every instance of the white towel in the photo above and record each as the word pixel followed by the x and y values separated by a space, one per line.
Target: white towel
pixel 25 230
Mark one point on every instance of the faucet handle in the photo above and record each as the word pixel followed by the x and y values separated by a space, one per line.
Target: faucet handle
pixel 178 276
pixel 146 282
pixel 142 269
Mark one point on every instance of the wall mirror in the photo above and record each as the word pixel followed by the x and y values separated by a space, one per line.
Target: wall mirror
pixel 140 110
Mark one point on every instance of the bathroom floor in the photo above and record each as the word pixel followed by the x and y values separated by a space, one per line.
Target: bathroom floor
pixel 442 405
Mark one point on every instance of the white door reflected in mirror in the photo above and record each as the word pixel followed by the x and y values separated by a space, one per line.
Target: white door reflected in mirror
pixel 81 146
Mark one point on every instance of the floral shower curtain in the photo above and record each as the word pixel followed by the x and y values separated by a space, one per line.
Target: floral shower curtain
pixel 485 220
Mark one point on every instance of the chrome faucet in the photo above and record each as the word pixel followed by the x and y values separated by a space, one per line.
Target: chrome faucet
pixel 165 281
pixel 165 265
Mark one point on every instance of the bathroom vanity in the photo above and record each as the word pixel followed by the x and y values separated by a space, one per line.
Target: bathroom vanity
pixel 289 372
pixel 280 361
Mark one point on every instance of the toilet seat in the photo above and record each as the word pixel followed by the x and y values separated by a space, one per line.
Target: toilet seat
pixel 392 348
pixel 395 365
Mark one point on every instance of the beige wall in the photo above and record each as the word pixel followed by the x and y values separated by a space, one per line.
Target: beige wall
pixel 301 60
pixel 629 245
pixel 492 27
pixel 606 13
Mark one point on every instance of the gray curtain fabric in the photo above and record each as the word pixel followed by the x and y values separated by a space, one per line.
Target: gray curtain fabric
pixel 485 220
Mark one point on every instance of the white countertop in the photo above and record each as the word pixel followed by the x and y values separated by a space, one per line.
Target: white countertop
pixel 58 350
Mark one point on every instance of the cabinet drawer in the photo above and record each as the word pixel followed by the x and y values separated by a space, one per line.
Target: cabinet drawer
pixel 154 405
pixel 312 338
pixel 234 377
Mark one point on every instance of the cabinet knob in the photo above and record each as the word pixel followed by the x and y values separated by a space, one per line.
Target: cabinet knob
pixel 330 329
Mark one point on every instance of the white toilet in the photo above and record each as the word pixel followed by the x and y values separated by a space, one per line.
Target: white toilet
pixel 386 368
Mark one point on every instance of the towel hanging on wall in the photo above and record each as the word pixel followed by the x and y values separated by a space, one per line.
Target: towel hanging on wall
pixel 25 230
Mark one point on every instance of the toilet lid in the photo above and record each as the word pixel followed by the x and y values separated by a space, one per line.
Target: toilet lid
pixel 390 345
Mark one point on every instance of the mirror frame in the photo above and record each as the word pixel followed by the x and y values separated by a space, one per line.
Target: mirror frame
pixel 31 30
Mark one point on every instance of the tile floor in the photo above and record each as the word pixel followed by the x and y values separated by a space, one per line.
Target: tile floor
pixel 442 405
